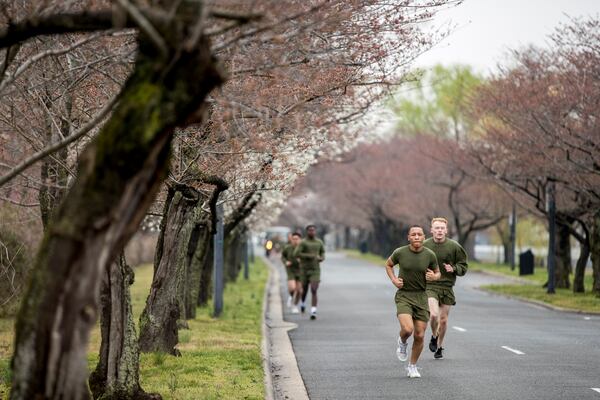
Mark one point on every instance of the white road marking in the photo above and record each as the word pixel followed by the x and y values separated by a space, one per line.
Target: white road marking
pixel 596 389
pixel 513 350
pixel 587 318
pixel 458 328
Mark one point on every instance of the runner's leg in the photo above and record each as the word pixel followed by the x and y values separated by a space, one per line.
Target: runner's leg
pixel 444 311
pixel 418 336
pixel 434 315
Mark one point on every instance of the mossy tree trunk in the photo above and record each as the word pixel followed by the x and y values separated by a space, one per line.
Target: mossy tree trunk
pixel 117 373
pixel 182 249
pixel 118 176
pixel 165 304
pixel 595 252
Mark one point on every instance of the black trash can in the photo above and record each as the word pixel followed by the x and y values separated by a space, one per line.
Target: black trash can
pixel 526 261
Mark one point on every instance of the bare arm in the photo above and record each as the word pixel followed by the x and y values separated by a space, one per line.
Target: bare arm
pixel 389 269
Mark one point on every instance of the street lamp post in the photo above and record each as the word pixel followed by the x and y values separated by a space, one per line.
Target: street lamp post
pixel 551 207
pixel 513 235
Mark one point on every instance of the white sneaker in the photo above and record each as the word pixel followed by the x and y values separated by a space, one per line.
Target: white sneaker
pixel 412 371
pixel 289 301
pixel 401 351
pixel 295 310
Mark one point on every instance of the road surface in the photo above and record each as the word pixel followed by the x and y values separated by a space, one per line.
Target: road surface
pixel 496 348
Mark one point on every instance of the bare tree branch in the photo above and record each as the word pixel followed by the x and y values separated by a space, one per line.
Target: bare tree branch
pixel 59 145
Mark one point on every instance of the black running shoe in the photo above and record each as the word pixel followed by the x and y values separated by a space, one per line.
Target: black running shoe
pixel 438 354
pixel 302 309
pixel 433 344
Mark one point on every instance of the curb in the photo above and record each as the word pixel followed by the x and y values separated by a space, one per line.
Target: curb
pixel 282 376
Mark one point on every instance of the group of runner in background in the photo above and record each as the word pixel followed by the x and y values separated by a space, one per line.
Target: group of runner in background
pixel 427 274
pixel 302 259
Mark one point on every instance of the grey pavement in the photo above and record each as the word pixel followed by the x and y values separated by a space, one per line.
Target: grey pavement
pixel 349 351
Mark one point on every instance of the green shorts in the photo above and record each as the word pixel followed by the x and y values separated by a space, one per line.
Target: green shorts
pixel 443 294
pixel 293 273
pixel 412 303
pixel 312 275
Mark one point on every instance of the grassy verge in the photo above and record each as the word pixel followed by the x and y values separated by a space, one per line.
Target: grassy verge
pixel 564 298
pixel 221 358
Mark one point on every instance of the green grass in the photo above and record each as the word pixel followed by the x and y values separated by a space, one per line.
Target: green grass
pixel 221 358
pixel 564 298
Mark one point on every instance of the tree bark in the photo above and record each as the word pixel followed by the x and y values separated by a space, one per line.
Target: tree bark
pixel 595 253
pixel 563 257
pixel 118 177
pixel 578 278
pixel 165 304
pixel 233 255
pixel 117 374
pixel 206 271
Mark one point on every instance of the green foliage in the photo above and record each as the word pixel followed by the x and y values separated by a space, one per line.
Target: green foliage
pixel 436 102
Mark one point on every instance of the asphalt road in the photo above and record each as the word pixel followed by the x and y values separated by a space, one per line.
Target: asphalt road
pixel 349 351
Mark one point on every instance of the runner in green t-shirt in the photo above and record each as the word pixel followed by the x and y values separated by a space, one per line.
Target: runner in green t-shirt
pixel 310 252
pixel 453 262
pixel 417 266
pixel 292 269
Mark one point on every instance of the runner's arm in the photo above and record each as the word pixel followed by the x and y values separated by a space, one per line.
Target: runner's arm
pixel 461 266
pixel 321 252
pixel 389 269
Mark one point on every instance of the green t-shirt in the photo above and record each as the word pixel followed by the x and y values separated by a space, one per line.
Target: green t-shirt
pixel 413 266
pixel 287 254
pixel 308 250
pixel 449 252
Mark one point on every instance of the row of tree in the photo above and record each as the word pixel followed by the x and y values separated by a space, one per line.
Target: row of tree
pixel 119 113
pixel 470 148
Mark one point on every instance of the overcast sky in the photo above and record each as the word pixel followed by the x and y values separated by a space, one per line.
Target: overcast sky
pixel 486 29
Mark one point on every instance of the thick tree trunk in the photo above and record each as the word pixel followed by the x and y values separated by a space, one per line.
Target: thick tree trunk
pixel 578 278
pixel 233 255
pixel 206 273
pixel 563 257
pixel 197 253
pixel 165 304
pixel 117 179
pixel 595 253
pixel 117 374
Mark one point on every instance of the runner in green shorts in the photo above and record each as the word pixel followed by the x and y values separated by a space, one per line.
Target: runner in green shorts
pixel 417 266
pixel 292 269
pixel 453 262
pixel 310 252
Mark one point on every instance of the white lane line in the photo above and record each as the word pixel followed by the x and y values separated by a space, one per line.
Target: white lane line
pixel 596 389
pixel 587 318
pixel 513 350
pixel 458 328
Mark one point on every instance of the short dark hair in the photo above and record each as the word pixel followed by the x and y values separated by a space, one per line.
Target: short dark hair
pixel 415 226
pixel 310 226
pixel 297 234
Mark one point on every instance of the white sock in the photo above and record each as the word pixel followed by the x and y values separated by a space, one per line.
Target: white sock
pixel 313 309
